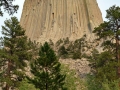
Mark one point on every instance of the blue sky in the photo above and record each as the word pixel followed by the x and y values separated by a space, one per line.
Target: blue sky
pixel 103 5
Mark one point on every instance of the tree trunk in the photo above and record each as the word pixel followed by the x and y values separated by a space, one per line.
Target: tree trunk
pixel 118 55
pixel 7 87
pixel 8 75
pixel 46 86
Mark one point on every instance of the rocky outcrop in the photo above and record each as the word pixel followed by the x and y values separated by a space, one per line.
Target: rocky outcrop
pixel 81 66
pixel 55 19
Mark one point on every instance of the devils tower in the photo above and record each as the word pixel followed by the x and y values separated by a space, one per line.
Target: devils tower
pixel 56 19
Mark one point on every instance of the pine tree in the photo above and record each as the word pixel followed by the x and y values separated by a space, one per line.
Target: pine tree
pixel 107 63
pixel 13 53
pixel 46 70
pixel 8 6
pixel 103 65
pixel 109 31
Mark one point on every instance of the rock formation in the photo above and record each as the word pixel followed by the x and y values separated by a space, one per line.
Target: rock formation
pixel 81 66
pixel 55 19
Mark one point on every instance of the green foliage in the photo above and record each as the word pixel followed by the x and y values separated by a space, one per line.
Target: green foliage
pixel 25 85
pixel 46 70
pixel 106 66
pixel 93 58
pixel 8 6
pixel 106 63
pixel 79 43
pixel 66 41
pixel 76 55
pixel 72 49
pixel 78 46
pixel 33 49
pixel 103 65
pixel 62 51
pixel 104 31
pixel 93 84
pixel 72 81
pixel 109 30
pixel 13 53
pixel 59 42
pixel 51 42
pixel 113 85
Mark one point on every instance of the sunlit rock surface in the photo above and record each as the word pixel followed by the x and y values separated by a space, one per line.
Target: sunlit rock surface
pixel 55 19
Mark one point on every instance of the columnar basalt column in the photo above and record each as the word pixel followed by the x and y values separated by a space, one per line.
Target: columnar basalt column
pixel 55 19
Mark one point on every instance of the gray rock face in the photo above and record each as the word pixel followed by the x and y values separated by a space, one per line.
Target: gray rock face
pixel 55 19
pixel 81 66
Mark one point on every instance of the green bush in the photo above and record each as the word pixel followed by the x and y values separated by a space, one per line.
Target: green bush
pixel 62 51
pixel 93 84
pixel 25 85
pixel 72 82
pixel 113 85
pixel 76 55
pixel 59 42
pixel 66 41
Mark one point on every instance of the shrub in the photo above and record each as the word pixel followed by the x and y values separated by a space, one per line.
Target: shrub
pixel 76 55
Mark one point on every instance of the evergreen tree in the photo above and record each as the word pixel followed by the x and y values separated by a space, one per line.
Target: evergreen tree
pixel 109 31
pixel 13 53
pixel 46 70
pixel 103 65
pixel 62 51
pixel 8 6
pixel 107 63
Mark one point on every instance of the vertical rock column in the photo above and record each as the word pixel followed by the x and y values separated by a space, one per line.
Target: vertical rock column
pixel 55 19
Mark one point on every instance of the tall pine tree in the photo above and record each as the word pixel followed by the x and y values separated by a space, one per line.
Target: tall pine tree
pixel 13 53
pixel 46 70
pixel 107 63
